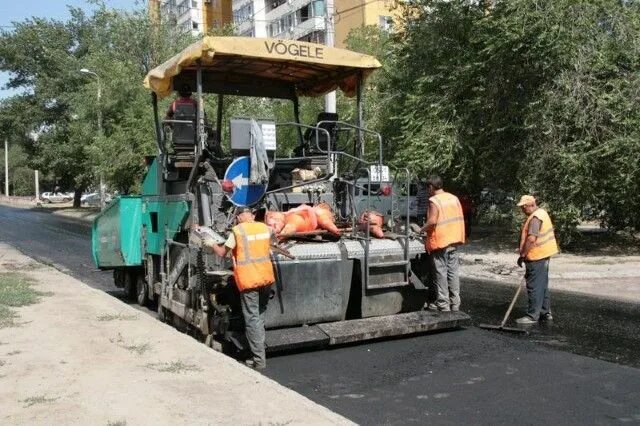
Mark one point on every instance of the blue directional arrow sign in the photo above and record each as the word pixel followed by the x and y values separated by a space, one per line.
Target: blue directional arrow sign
pixel 243 194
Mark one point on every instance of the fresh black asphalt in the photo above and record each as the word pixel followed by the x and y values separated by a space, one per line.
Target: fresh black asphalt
pixel 582 369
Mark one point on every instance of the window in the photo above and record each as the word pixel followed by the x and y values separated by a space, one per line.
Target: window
pixel 314 37
pixel 248 33
pixel 194 3
pixel 244 13
pixel 314 9
pixel 183 8
pixel 386 23
pixel 195 25
pixel 318 8
pixel 272 4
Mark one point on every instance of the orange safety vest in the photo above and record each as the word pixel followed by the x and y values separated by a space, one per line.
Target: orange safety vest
pixel 449 228
pixel 545 244
pixel 252 266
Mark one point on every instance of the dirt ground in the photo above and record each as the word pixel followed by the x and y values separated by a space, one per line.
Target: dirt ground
pixel 80 356
pixel 601 265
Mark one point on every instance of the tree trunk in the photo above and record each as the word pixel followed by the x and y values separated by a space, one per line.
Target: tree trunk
pixel 76 197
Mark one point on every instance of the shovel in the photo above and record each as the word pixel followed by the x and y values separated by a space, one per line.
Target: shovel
pixel 501 327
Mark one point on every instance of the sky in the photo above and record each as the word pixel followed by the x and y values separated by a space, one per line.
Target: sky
pixel 19 10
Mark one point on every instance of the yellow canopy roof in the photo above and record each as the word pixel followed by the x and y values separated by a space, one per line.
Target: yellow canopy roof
pixel 309 69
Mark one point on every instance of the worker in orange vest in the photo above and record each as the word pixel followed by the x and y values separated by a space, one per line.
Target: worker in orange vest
pixel 249 244
pixel 537 245
pixel 445 232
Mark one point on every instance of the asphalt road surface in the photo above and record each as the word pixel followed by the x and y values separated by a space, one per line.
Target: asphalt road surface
pixel 582 369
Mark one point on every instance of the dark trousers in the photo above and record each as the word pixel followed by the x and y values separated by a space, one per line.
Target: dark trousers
pixel 254 306
pixel 537 276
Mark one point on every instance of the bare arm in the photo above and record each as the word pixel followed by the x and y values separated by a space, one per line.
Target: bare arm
pixel 528 243
pixel 532 236
pixel 220 249
pixel 432 218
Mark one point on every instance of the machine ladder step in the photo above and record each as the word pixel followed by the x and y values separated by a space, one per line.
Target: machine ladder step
pixel 389 264
pixel 387 285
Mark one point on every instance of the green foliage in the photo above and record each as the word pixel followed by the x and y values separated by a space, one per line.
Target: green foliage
pixel 524 96
pixel 370 40
pixel 21 176
pixel 61 105
pixel 529 96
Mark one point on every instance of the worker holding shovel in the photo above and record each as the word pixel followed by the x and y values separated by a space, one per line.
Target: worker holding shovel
pixel 537 245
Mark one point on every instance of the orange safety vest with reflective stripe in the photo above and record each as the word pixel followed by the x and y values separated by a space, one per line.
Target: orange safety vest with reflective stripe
pixel 252 266
pixel 545 244
pixel 449 228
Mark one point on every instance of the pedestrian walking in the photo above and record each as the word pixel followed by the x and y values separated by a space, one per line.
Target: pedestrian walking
pixel 537 245
pixel 445 232
pixel 249 244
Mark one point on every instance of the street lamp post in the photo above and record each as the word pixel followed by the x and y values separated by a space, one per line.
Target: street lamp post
pixel 99 97
pixel 6 167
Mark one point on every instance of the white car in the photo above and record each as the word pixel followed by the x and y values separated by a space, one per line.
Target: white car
pixel 57 197
pixel 93 199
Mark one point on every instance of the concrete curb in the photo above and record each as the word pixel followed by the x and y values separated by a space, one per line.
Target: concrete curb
pixel 63 352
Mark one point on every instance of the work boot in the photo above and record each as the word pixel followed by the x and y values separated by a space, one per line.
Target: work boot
pixel 255 364
pixel 430 307
pixel 526 320
pixel 546 317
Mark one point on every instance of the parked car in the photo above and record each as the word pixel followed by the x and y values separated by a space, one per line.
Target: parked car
pixel 93 199
pixel 57 197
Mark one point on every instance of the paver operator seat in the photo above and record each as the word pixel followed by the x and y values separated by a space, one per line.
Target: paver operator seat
pixel 185 133
pixel 313 139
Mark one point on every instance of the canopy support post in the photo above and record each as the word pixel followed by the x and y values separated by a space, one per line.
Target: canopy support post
pixel 202 135
pixel 360 116
pixel 156 119
pixel 296 113
pixel 219 121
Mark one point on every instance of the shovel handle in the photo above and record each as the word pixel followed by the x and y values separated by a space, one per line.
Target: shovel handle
pixel 513 302
pixel 282 251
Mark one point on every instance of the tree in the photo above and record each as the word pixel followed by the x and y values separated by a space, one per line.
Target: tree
pixel 44 57
pixel 524 96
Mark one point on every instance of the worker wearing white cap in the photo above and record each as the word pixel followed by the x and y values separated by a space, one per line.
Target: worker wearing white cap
pixel 537 245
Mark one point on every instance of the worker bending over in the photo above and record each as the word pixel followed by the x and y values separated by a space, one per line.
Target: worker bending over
pixel 249 244
pixel 445 231
pixel 537 245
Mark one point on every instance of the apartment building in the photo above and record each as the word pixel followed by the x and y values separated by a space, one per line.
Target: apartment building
pixel 351 14
pixel 306 19
pixel 197 16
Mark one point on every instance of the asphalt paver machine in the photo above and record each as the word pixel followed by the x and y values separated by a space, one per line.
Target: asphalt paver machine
pixel 338 288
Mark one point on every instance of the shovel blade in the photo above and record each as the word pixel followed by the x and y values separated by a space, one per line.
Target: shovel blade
pixel 501 328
